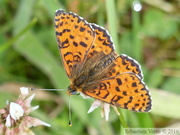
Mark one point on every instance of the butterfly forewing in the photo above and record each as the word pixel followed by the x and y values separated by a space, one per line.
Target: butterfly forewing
pixel 74 36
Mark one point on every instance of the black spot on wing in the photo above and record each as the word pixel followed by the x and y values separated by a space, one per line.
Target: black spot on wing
pixel 124 93
pixel 82 29
pixel 115 99
pixel 136 91
pixel 58 33
pixel 134 84
pixel 71 36
pixel 67 60
pixel 76 26
pixel 83 44
pixel 64 44
pixel 129 101
pixel 106 40
pixel 119 81
pixel 75 43
pixel 117 89
pixel 66 30
pixel 102 86
pixel 61 23
pixel 102 94
pixel 76 58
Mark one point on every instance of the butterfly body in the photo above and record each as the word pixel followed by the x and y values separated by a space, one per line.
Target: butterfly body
pixel 87 75
pixel 95 69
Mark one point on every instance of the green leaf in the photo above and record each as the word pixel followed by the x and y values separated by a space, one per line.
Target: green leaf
pixel 112 21
pixel 165 103
pixel 23 15
pixel 172 85
pixel 30 47
pixel 154 78
pixel 158 24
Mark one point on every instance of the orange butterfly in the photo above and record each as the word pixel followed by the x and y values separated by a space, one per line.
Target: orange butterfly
pixel 95 69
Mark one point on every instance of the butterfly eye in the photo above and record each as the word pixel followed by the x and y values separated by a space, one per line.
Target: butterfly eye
pixel 74 92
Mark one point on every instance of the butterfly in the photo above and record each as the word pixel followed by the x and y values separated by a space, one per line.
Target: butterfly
pixel 95 69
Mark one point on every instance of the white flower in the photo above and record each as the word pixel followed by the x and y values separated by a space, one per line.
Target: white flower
pixel 95 105
pixel 105 111
pixel 84 96
pixel 16 111
pixel 105 108
pixel 14 118
pixel 24 91
pixel 33 122
pixel 34 108
pixel 7 102
pixel 8 121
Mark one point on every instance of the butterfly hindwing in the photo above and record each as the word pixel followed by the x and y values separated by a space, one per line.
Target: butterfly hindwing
pixel 123 64
pixel 102 42
pixel 124 90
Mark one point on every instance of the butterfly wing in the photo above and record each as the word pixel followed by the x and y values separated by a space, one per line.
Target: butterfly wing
pixel 74 36
pixel 130 92
pixel 123 64
pixel 102 43
pixel 80 44
pixel 124 90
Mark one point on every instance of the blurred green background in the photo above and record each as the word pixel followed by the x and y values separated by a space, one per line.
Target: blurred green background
pixel 29 57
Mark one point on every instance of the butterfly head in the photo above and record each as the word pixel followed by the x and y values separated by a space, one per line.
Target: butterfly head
pixel 72 90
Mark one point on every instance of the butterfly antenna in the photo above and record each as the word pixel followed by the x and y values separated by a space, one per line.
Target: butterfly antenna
pixel 70 118
pixel 49 89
